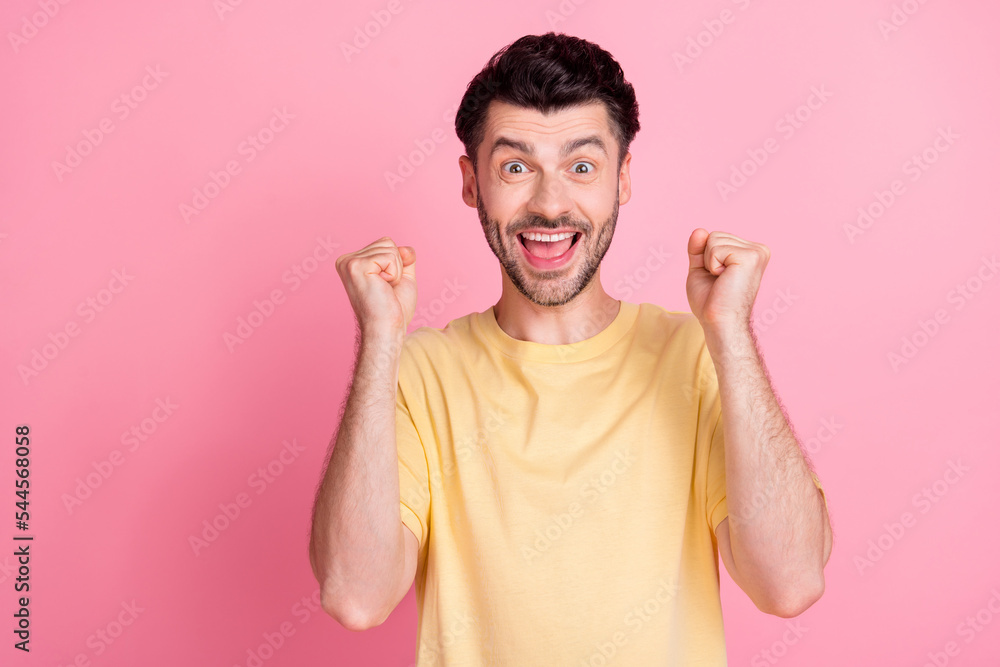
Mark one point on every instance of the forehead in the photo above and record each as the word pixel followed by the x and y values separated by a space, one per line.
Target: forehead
pixel 554 128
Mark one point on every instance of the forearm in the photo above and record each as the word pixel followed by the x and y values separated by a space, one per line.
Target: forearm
pixel 356 546
pixel 777 522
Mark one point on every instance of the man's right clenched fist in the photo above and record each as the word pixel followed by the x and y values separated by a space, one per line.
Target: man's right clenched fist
pixel 381 283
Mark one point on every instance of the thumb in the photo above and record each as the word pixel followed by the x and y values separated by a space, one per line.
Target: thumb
pixel 409 256
pixel 696 248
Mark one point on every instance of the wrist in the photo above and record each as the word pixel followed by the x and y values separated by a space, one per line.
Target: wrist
pixel 728 330
pixel 730 339
pixel 380 331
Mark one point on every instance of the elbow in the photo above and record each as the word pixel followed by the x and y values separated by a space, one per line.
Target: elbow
pixel 795 601
pixel 351 616
pixel 312 562
pixel 336 605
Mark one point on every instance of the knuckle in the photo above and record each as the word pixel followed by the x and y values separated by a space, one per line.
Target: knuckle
pixel 354 268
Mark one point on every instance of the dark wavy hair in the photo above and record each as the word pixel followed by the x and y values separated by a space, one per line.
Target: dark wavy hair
pixel 549 72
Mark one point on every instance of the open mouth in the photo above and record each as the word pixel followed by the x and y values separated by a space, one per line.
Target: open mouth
pixel 555 247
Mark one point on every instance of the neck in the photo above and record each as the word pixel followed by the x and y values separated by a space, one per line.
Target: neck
pixel 589 313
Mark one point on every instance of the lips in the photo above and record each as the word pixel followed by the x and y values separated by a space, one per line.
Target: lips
pixel 549 254
pixel 548 249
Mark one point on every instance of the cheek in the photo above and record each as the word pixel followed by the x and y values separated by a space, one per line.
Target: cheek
pixel 502 207
pixel 597 206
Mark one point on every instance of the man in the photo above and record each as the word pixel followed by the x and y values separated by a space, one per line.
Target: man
pixel 560 472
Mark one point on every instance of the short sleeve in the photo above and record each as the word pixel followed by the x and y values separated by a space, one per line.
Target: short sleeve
pixel 821 491
pixel 414 489
pixel 712 437
pixel 717 509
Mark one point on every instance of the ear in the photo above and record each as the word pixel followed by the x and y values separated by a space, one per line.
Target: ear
pixel 625 181
pixel 468 180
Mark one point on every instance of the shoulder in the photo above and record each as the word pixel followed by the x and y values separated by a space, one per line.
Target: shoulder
pixel 675 329
pixel 428 346
pixel 456 331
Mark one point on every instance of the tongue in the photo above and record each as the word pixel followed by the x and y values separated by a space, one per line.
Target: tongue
pixel 548 249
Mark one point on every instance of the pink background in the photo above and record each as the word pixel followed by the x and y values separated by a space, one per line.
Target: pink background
pixel 830 311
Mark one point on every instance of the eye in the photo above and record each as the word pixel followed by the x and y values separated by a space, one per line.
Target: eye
pixel 590 168
pixel 504 167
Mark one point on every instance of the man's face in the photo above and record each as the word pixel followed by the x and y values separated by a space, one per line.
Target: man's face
pixel 556 175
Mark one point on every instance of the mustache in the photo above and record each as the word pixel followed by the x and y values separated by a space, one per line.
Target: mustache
pixel 537 222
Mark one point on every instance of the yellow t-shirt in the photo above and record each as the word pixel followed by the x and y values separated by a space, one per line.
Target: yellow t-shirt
pixel 565 497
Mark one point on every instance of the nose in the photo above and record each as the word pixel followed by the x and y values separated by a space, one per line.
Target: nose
pixel 550 198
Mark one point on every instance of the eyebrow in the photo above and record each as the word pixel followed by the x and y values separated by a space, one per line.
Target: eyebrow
pixel 568 148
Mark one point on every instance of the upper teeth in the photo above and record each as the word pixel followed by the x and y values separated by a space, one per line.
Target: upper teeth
pixel 534 236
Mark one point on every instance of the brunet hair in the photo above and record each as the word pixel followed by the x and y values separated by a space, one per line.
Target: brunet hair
pixel 549 73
